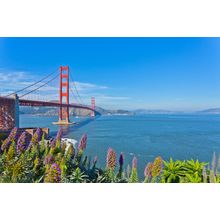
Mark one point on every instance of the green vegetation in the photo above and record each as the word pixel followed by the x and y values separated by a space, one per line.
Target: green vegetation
pixel 36 160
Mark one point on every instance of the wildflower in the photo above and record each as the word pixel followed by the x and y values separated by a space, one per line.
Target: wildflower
pixel 204 174
pixel 49 159
pixel 134 174
pixel 111 159
pixel 59 134
pixel 12 137
pixel 17 171
pixel 36 163
pixel 148 170
pixel 157 167
pixel 57 140
pixel 35 138
pixel 71 152
pixel 121 160
pixel 63 167
pixel 22 142
pixel 11 152
pixel 82 143
pixel 53 174
pixel 134 163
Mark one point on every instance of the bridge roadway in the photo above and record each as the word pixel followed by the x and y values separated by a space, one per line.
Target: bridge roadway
pixel 33 103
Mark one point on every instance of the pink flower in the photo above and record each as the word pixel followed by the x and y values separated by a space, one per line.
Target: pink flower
pixel 134 163
pixel 111 159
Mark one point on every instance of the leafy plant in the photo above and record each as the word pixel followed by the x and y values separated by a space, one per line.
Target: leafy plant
pixel 173 171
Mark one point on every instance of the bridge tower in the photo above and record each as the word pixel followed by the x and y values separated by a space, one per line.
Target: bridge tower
pixel 92 114
pixel 64 96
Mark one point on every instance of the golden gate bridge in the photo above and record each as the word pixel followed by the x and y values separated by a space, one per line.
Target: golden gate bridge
pixel 9 104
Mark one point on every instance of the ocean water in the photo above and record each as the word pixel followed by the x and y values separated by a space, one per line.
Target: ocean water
pixel 146 137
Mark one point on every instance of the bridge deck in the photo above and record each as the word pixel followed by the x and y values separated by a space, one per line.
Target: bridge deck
pixel 26 102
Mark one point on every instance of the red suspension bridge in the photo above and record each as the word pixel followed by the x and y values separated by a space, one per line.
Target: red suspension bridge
pixel 9 104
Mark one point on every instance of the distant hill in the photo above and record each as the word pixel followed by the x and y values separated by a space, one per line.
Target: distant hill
pixel 155 111
pixel 209 111
pixel 52 111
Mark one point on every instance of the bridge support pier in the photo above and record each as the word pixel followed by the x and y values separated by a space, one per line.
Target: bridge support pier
pixel 9 113
pixel 16 110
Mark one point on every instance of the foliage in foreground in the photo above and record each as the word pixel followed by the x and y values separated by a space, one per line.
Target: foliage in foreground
pixel 25 159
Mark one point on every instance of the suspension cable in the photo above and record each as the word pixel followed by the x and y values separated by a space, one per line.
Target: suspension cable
pixel 75 97
pixel 32 84
pixel 76 89
pixel 40 86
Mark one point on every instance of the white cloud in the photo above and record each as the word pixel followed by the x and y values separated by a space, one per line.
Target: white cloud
pixel 81 86
pixel 15 80
pixel 112 98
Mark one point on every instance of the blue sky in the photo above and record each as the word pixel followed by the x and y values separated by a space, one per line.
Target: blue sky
pixel 126 73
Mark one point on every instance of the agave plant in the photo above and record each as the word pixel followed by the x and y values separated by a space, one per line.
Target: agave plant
pixel 78 176
pixel 194 167
pixel 173 171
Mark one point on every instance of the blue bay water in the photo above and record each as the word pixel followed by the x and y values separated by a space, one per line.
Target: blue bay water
pixel 146 137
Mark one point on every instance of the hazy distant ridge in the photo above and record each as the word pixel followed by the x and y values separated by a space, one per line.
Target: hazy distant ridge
pixel 50 111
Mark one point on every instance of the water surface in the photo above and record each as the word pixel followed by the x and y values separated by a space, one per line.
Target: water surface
pixel 177 136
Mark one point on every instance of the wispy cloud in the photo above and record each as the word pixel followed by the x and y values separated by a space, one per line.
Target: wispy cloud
pixel 82 86
pixel 11 81
pixel 112 98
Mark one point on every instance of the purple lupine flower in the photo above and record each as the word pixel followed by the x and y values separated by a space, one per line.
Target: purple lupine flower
pixel 13 136
pixel 111 159
pixel 36 138
pixel 134 163
pixel 39 134
pixel 58 138
pixel 53 143
pixel 22 143
pixel 53 174
pixel 56 172
pixel 121 160
pixel 82 143
pixel 49 159
pixel 59 134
